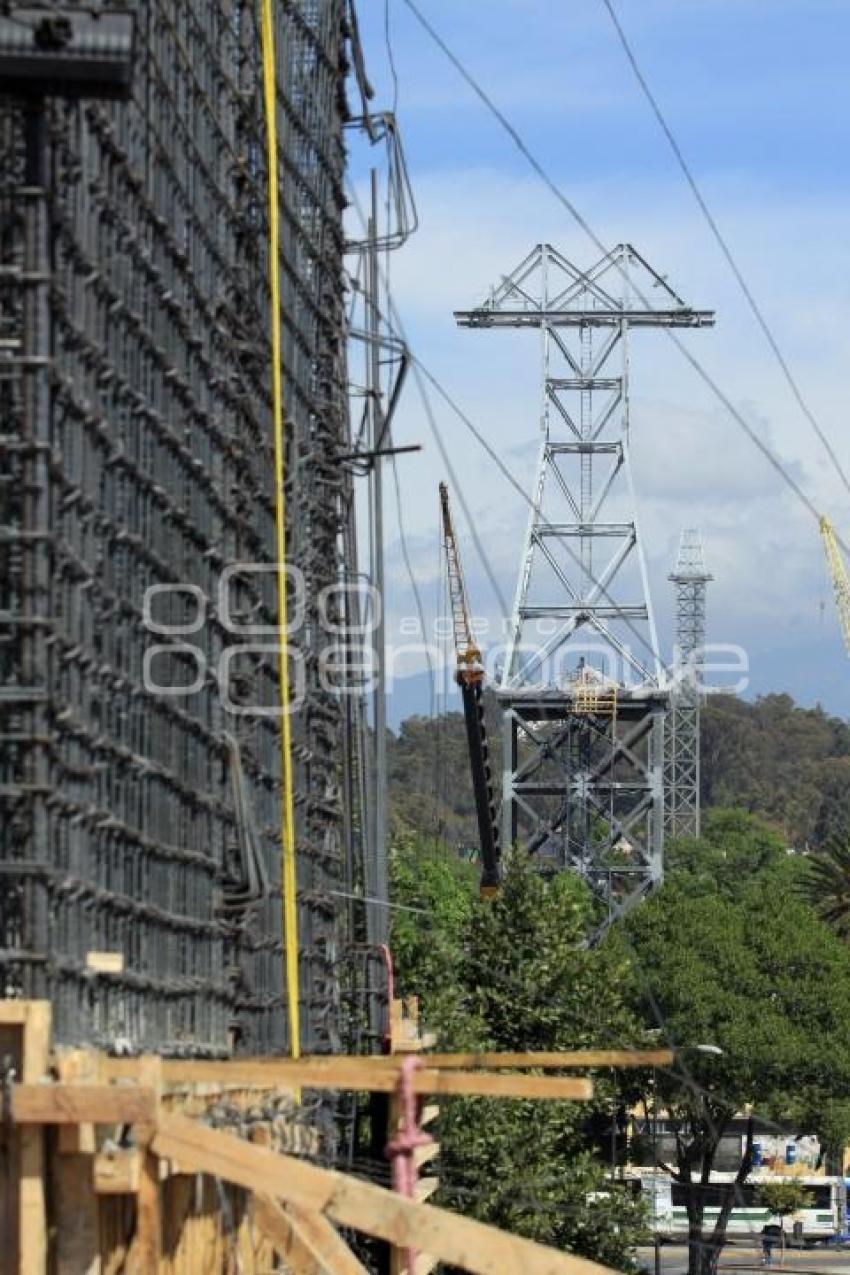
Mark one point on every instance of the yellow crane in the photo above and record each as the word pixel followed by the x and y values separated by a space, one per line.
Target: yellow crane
pixel 840 578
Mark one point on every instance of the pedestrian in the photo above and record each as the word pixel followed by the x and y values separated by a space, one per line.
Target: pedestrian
pixel 770 1234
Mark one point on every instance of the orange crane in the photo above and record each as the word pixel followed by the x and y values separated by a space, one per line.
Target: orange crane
pixel 838 573
pixel 469 674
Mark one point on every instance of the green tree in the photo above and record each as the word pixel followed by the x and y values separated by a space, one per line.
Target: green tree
pixel 742 963
pixel 434 893
pixel 783 1197
pixel 789 764
pixel 524 979
pixel 827 886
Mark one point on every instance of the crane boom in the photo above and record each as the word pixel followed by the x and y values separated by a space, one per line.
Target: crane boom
pixel 468 654
pixel 469 674
pixel 840 579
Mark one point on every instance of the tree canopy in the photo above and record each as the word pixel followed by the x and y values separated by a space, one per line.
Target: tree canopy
pixel 515 973
pixel 728 954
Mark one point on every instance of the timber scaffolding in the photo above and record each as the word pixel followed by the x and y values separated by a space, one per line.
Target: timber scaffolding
pixel 153 1166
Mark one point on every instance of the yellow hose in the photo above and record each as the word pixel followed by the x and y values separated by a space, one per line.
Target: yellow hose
pixel 287 829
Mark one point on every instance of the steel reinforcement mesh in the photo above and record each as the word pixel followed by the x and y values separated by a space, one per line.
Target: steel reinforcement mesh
pixel 139 825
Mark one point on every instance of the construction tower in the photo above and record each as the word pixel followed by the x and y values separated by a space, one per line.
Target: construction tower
pixel 681 778
pixel 582 689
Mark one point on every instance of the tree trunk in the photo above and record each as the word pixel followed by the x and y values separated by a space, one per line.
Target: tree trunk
pixel 685 1158
pixel 715 1246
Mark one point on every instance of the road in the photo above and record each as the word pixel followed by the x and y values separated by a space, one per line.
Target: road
pixel 674 1261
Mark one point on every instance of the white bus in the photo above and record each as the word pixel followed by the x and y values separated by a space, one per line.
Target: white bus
pixel 822 1219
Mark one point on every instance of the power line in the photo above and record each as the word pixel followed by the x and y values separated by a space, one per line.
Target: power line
pixel 444 456
pixel 411 575
pixel 776 464
pixel 394 322
pixel 420 375
pixel 758 314
pixel 566 203
pixel 420 372
pixel 381 903
pixel 390 58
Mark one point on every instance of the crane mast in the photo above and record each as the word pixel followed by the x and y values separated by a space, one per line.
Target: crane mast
pixel 469 674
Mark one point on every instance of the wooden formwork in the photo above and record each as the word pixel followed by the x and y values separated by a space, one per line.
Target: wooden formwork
pixel 115 1166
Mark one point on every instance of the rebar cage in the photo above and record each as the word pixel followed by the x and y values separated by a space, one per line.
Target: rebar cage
pixel 139 824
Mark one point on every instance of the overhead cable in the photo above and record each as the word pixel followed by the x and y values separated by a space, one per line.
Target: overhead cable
pixel 756 309
pixel 566 203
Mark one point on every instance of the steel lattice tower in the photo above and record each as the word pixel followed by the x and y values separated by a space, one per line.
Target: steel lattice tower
pixel 582 690
pixel 682 751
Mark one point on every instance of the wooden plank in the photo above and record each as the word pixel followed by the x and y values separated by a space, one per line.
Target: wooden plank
pixel 326 1240
pixel 509 1084
pixel 426 1153
pixel 425 1188
pixel 117 1172
pixel 146 1249
pixel 417 1046
pixel 76 1139
pixel 280 1229
pixel 105 962
pixel 367 1074
pixel 429 1113
pixel 71 1104
pixel 14 1013
pixel 306 1240
pixel 37 1024
pixel 76 1066
pixel 546 1060
pixel 32 1196
pixel 347 1201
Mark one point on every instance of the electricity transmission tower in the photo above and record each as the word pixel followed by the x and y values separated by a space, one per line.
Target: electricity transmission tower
pixel 582 690
pixel 681 779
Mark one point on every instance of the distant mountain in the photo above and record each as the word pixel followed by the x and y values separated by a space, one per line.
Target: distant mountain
pixel 790 764
pixel 771 757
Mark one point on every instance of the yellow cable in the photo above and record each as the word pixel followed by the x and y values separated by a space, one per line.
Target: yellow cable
pixel 287 829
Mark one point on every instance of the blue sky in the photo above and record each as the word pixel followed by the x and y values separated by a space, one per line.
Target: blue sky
pixel 759 98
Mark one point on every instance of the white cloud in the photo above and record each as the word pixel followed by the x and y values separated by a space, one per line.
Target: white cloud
pixel 481 212
pixel 692 462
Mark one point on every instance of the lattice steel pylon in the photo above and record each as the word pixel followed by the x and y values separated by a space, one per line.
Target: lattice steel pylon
pixel 682 745
pixel 582 689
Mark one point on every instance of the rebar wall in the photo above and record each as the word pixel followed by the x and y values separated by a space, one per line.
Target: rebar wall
pixel 135 432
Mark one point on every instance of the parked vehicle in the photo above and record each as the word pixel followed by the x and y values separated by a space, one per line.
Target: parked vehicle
pixel 822 1220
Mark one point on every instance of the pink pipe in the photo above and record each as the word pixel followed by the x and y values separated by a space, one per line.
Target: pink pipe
pixel 401 1149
